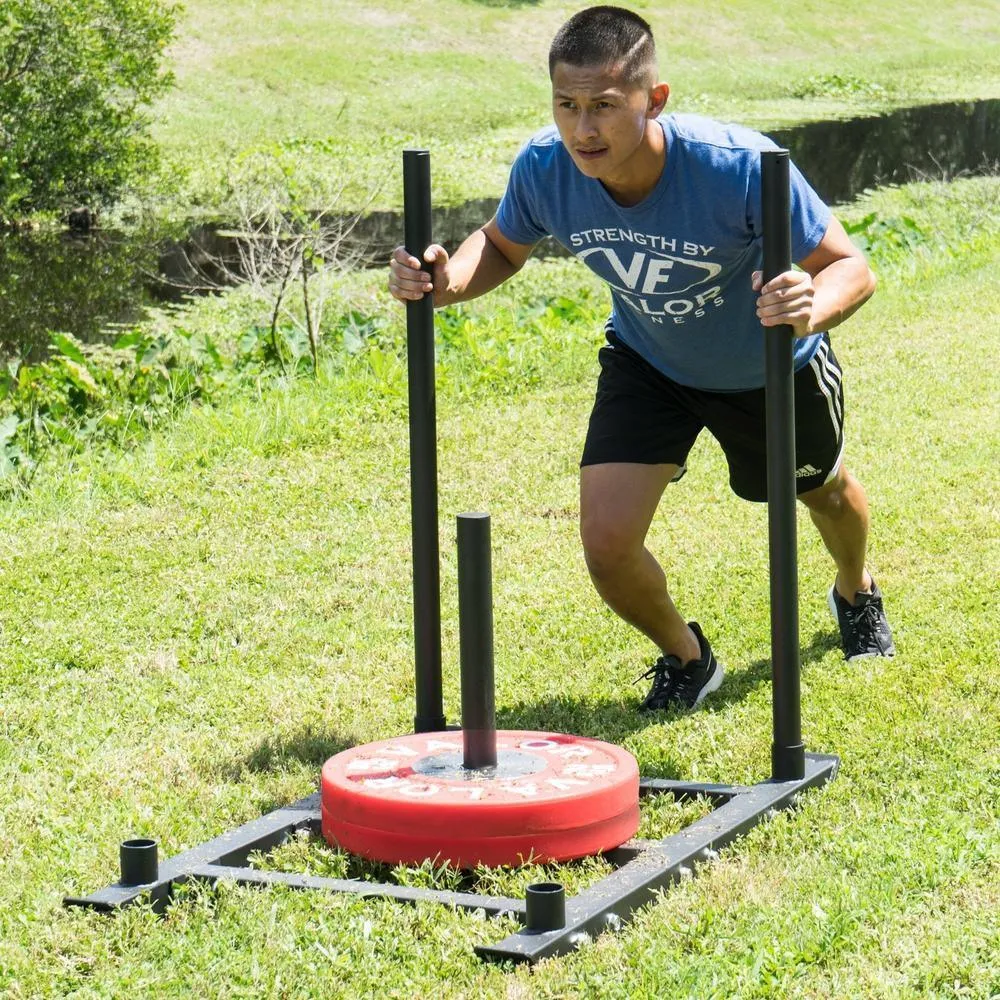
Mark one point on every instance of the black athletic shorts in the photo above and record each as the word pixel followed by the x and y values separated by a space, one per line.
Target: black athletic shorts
pixel 640 415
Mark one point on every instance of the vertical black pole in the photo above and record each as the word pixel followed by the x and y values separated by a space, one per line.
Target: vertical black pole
pixel 423 454
pixel 475 627
pixel 787 750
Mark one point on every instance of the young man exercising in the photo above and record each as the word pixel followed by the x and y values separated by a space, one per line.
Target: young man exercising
pixel 666 209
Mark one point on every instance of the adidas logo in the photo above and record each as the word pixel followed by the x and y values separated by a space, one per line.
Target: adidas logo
pixel 806 470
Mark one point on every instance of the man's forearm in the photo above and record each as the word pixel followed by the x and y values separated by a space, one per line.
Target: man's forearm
pixel 477 267
pixel 839 290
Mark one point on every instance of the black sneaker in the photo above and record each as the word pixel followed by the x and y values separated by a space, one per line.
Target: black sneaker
pixel 864 630
pixel 682 687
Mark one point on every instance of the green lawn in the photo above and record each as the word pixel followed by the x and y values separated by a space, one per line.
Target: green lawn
pixel 468 78
pixel 189 629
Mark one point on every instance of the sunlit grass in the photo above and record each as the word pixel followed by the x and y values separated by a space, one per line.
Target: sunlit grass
pixel 468 80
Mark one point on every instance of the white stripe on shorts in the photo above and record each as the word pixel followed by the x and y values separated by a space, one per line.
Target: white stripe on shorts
pixel 825 389
pixel 831 375
pixel 825 348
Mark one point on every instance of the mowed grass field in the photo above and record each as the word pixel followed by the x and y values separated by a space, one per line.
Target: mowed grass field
pixel 189 630
pixel 468 79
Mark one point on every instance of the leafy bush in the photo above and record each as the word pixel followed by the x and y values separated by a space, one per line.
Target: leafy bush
pixel 839 85
pixel 92 393
pixel 75 79
pixel 86 395
pixel 886 237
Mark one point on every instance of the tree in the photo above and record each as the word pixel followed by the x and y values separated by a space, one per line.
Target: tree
pixel 76 80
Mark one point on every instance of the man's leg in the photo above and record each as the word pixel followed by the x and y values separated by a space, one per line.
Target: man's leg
pixel 839 509
pixel 617 503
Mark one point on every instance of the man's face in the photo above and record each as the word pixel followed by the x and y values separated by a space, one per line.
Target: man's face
pixel 601 117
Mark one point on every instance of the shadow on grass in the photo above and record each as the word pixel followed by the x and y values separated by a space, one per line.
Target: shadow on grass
pixel 605 719
pixel 286 751
pixel 614 720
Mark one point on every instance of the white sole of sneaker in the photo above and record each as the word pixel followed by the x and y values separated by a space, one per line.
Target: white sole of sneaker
pixel 714 683
pixel 832 605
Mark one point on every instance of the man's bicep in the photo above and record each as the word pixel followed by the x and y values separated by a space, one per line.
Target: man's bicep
pixel 835 245
pixel 515 253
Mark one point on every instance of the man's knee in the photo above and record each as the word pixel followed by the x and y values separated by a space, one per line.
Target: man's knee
pixel 833 497
pixel 617 503
pixel 607 547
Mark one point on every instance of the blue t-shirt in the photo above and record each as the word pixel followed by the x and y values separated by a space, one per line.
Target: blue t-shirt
pixel 679 262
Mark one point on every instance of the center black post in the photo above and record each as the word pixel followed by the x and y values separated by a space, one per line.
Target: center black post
pixel 423 454
pixel 787 750
pixel 475 627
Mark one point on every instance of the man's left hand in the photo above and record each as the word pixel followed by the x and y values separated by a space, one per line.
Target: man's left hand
pixel 787 298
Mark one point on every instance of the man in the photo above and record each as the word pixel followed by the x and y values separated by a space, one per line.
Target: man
pixel 666 209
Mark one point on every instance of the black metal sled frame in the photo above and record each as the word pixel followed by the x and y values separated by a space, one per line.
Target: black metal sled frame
pixel 642 867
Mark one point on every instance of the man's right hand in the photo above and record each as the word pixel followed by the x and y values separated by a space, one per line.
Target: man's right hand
pixel 408 282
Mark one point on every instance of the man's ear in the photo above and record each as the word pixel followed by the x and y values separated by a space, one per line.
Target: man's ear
pixel 658 97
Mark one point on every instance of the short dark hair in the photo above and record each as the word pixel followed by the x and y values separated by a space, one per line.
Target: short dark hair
pixel 606 36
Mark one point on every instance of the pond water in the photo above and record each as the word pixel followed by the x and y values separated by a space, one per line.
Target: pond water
pixel 88 284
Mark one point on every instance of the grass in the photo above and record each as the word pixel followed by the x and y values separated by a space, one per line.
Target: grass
pixel 189 629
pixel 468 79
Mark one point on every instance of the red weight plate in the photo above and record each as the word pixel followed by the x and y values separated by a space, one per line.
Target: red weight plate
pixel 552 797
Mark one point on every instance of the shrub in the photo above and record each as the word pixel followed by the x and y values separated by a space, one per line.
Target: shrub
pixel 86 394
pixel 76 77
pixel 838 85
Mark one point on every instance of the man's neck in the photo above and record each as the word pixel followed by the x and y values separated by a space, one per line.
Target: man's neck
pixel 643 169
